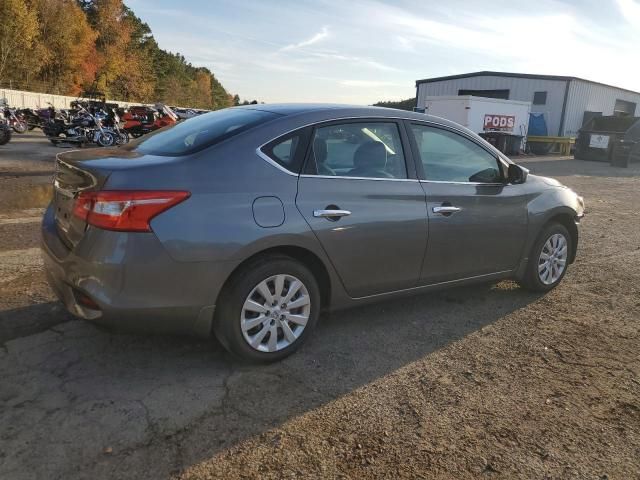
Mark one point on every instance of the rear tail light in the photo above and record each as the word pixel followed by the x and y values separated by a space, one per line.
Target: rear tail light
pixel 125 210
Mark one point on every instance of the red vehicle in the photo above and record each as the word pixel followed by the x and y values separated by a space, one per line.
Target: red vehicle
pixel 141 120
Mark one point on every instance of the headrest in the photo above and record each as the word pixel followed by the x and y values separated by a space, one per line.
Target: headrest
pixel 370 155
pixel 320 150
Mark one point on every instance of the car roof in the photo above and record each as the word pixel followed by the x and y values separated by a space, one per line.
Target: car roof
pixel 345 111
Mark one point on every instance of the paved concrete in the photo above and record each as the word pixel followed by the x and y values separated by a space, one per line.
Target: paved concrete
pixel 82 403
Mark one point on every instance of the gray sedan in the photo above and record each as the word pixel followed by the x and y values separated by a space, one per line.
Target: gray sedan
pixel 248 222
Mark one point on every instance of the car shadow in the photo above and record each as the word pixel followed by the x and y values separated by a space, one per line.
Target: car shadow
pixel 24 321
pixel 568 167
pixel 162 404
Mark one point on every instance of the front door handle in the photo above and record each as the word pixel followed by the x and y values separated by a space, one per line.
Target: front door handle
pixel 446 209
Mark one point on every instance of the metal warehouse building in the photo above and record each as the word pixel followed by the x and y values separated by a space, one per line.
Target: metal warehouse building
pixel 566 102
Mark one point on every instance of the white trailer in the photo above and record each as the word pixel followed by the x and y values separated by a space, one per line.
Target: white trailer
pixel 481 114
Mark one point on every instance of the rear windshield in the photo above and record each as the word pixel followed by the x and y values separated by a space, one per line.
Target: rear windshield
pixel 200 132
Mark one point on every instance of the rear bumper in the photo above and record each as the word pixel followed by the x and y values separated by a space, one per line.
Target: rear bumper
pixel 134 283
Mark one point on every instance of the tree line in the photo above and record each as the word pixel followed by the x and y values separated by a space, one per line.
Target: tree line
pixel 70 47
pixel 407 104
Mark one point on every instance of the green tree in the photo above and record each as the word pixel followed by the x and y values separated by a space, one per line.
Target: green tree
pixel 407 104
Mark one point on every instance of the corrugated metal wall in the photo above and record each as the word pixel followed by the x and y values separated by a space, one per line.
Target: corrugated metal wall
pixel 519 89
pixel 590 97
pixel 582 96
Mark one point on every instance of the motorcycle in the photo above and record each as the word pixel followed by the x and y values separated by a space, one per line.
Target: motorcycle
pixel 141 120
pixel 83 128
pixel 111 121
pixel 17 122
pixel 39 117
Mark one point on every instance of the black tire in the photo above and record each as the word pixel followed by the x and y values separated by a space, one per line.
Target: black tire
pixel 106 139
pixel 227 319
pixel 123 138
pixel 5 135
pixel 20 127
pixel 531 280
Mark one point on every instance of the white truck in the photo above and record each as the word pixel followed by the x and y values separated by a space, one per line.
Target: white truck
pixel 506 118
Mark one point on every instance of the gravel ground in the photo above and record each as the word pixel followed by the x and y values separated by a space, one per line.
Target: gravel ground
pixel 487 381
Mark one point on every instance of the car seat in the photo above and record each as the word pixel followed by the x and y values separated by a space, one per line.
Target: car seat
pixel 320 155
pixel 370 160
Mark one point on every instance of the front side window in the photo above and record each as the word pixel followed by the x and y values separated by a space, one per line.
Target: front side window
pixel 367 149
pixel 449 157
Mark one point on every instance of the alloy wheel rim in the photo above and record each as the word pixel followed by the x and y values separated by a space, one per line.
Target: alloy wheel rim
pixel 553 259
pixel 275 313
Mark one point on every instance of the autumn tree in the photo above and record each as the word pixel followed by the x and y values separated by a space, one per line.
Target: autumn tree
pixel 18 34
pixel 71 46
pixel 67 44
pixel 113 36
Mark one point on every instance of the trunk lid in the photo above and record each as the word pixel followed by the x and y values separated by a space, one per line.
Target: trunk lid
pixel 88 170
pixel 70 178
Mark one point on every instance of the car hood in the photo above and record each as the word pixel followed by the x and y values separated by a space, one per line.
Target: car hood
pixel 545 181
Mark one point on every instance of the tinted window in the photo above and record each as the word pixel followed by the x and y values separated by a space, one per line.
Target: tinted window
pixel 288 151
pixel 285 151
pixel 200 132
pixel 371 150
pixel 449 157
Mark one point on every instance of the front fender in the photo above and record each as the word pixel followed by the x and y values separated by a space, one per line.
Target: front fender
pixel 554 204
pixel 551 203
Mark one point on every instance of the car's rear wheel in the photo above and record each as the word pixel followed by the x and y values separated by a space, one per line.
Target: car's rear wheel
pixel 268 309
pixel 549 259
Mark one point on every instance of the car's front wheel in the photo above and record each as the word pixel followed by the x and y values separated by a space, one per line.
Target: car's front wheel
pixel 549 259
pixel 268 309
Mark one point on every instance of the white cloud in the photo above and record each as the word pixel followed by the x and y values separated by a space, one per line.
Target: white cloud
pixel 369 83
pixel 356 61
pixel 405 43
pixel 631 11
pixel 370 50
pixel 318 37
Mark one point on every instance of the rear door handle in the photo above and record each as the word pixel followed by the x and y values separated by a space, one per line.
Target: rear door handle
pixel 447 209
pixel 331 213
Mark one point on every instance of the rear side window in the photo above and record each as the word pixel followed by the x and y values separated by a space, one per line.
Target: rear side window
pixel 200 132
pixel 354 149
pixel 288 151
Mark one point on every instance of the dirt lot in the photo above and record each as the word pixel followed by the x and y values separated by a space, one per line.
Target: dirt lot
pixel 488 381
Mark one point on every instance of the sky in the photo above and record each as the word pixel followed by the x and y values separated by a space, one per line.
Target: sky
pixel 363 51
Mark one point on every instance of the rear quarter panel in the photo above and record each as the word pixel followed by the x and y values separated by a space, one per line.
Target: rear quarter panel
pixel 216 224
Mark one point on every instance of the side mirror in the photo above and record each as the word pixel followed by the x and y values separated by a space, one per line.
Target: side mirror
pixel 517 174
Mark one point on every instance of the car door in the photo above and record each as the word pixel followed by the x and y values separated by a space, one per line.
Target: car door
pixel 360 196
pixel 477 222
